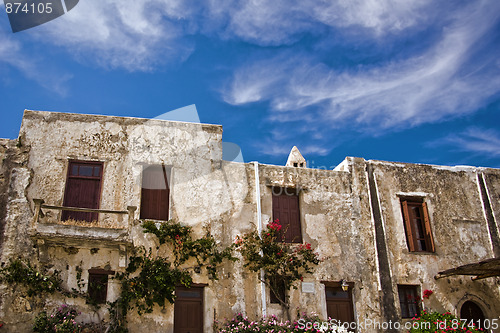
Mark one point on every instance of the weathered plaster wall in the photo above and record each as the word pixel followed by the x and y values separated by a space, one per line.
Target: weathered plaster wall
pixel 458 226
pixel 336 220
pixel 335 209
pixel 205 192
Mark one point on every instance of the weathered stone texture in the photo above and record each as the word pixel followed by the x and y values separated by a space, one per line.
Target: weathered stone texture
pixel 336 213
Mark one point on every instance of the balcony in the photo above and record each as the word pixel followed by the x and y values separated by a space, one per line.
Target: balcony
pixel 110 229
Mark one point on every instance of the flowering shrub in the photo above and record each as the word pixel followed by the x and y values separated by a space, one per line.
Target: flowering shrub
pixel 435 322
pixel 307 323
pixel 61 321
pixel 284 263
pixel 427 293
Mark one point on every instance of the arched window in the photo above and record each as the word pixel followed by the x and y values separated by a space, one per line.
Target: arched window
pixel 472 312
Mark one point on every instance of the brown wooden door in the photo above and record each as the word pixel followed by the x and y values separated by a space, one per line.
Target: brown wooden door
pixel 339 304
pixel 286 210
pixel 83 189
pixel 188 310
pixel 155 193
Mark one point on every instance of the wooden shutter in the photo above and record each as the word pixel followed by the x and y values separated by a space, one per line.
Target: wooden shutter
pixel 427 224
pixel 155 193
pixel 83 189
pixel 286 210
pixel 408 226
pixel 339 304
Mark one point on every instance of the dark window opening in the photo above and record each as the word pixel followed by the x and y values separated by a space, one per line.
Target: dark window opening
pixel 98 285
pixel 417 226
pixel 286 211
pixel 155 193
pixel 471 312
pixel 409 301
pixel 83 190
pixel 277 293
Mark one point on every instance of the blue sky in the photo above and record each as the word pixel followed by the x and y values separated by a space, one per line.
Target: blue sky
pixel 396 80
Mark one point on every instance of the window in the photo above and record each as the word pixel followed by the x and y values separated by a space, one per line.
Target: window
pixel 286 210
pixel 83 189
pixel 98 285
pixel 417 226
pixel 409 301
pixel 155 193
pixel 280 289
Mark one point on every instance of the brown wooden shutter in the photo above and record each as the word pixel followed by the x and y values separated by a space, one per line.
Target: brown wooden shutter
pixel 155 193
pixel 83 189
pixel 428 233
pixel 286 210
pixel 188 310
pixel 408 226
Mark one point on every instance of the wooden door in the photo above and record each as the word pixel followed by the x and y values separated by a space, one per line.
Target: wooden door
pixel 83 189
pixel 286 210
pixel 188 310
pixel 339 304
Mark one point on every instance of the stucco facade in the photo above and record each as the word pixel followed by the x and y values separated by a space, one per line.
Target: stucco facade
pixel 351 215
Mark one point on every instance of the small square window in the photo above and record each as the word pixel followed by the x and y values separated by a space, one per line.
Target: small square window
pixel 278 289
pixel 417 226
pixel 98 285
pixel 409 301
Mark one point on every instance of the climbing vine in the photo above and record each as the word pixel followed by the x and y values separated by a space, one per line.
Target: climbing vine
pixel 151 280
pixel 184 247
pixel 155 282
pixel 24 273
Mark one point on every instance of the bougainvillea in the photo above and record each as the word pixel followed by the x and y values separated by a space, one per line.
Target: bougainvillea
pixel 427 293
pixel 283 263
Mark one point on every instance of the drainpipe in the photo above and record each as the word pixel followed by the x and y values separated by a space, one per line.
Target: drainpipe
pixel 259 229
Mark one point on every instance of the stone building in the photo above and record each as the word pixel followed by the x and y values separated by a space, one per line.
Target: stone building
pixel 386 231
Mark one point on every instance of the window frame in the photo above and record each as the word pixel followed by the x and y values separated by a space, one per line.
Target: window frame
pixel 167 172
pixel 101 276
pixel 410 225
pixel 273 299
pixel 405 303
pixel 66 214
pixel 283 233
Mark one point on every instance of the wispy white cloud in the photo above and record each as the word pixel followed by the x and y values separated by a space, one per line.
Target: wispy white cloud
pixel 442 82
pixel 12 54
pixel 126 34
pixel 475 140
pixel 279 22
pixel 142 35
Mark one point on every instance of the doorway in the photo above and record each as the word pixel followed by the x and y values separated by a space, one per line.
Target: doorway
pixel 472 312
pixel 339 304
pixel 188 310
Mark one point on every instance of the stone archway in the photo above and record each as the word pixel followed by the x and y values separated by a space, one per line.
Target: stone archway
pixel 472 312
